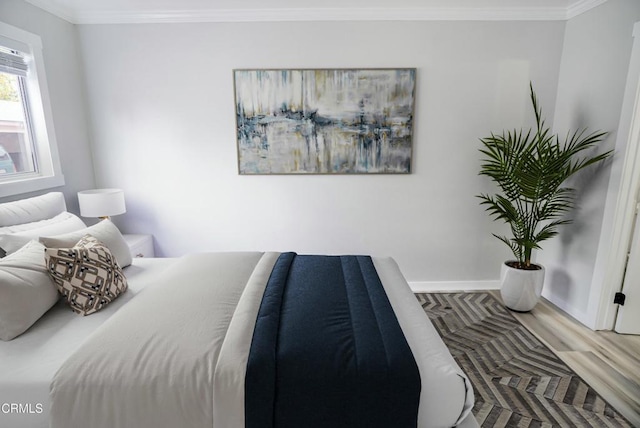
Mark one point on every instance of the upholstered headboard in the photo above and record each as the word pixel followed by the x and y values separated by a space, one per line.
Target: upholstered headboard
pixel 32 209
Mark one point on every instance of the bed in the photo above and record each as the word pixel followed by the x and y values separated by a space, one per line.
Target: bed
pixel 179 347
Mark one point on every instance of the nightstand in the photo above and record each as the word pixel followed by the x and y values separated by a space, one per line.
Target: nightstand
pixel 140 245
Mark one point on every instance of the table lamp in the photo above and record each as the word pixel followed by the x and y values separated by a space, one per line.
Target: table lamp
pixel 101 203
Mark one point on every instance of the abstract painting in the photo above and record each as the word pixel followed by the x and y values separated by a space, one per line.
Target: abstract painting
pixel 324 121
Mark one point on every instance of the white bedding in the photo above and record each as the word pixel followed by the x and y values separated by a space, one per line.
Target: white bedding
pixel 192 343
pixel 28 363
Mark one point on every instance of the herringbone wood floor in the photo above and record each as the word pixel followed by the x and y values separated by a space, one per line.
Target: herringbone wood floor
pixel 518 380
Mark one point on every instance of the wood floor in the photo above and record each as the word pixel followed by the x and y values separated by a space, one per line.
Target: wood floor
pixel 607 361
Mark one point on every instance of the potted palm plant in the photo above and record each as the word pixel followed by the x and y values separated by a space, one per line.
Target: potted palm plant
pixel 529 169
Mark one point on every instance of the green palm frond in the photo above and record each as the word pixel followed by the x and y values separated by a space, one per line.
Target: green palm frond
pixel 517 249
pixel 529 168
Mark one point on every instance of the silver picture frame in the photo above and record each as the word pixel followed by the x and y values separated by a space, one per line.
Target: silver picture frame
pixel 324 121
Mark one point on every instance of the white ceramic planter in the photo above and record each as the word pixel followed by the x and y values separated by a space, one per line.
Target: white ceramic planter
pixel 521 289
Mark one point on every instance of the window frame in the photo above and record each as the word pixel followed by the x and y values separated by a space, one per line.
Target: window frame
pixel 45 147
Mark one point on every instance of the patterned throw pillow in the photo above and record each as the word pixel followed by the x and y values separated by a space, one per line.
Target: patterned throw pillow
pixel 87 275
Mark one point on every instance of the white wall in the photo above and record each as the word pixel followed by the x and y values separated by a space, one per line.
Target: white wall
pixel 162 111
pixel 65 79
pixel 164 131
pixel 593 72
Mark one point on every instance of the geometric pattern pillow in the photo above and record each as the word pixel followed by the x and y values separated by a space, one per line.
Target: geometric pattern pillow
pixel 87 275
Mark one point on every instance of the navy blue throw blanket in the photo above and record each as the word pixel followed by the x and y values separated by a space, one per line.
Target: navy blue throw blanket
pixel 328 351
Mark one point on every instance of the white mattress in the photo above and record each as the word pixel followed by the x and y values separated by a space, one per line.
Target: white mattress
pixel 29 362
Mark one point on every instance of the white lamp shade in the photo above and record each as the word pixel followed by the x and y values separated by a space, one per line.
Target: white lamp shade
pixel 101 202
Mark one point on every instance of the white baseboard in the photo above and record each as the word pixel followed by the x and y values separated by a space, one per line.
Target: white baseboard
pixel 451 286
pixel 570 310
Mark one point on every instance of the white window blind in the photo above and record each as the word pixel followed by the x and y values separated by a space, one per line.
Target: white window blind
pixel 12 62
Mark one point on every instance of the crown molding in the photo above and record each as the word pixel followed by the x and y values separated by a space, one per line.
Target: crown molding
pixel 324 14
pixel 319 14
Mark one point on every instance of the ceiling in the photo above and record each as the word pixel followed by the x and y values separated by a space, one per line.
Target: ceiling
pixel 140 11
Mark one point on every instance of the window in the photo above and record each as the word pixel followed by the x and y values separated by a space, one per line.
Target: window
pixel 28 152
pixel 16 150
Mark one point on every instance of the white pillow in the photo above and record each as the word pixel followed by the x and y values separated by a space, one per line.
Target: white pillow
pixel 26 290
pixel 60 223
pixel 104 231
pixel 32 209
pixel 14 239
pixel 12 243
